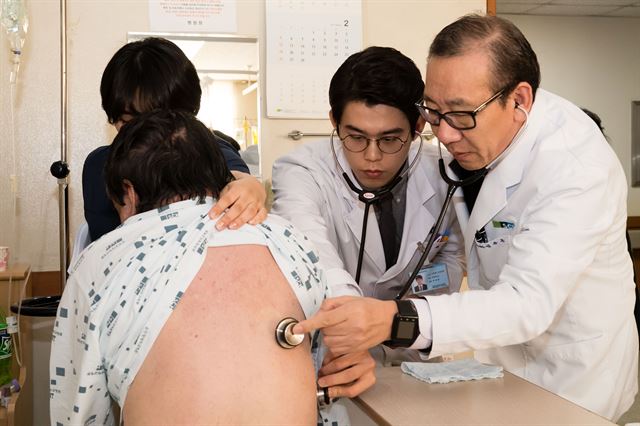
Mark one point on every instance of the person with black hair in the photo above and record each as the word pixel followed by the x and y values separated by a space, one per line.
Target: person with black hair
pixel 420 284
pixel 376 139
pixel 164 317
pixel 551 283
pixel 149 74
pixel 596 119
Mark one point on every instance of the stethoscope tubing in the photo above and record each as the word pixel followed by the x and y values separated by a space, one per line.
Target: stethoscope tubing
pixel 363 235
pixel 453 185
pixel 433 233
pixel 368 197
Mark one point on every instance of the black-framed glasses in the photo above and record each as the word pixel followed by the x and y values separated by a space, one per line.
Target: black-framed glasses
pixel 460 120
pixel 386 144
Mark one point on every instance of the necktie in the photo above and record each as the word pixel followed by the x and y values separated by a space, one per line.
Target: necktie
pixel 469 192
pixel 388 229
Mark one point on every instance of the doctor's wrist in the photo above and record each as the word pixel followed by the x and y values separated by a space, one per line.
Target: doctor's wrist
pixel 389 313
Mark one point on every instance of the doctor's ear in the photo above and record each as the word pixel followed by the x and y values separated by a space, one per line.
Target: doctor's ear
pixel 522 96
pixel 333 120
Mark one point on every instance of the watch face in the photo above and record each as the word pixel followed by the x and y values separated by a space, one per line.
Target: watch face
pixel 405 330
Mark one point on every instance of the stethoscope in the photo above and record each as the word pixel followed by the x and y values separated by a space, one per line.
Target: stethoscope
pixel 284 335
pixel 284 329
pixel 286 339
pixel 369 196
pixel 453 185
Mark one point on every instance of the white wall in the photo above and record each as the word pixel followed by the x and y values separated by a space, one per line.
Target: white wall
pixel 32 234
pixel 407 25
pixel 592 61
pixel 96 29
pixel 595 63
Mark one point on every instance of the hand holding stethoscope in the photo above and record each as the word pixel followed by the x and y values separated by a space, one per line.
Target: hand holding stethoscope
pixel 341 375
pixel 353 323
pixel 336 317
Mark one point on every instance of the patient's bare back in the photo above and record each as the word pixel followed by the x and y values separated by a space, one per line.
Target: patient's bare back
pixel 216 360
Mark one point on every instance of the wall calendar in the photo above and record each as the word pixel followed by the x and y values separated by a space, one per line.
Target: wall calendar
pixel 307 40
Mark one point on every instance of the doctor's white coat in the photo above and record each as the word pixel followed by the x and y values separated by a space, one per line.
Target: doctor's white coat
pixel 309 190
pixel 552 292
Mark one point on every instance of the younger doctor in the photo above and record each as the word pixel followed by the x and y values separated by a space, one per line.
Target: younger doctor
pixel 376 139
pixel 552 291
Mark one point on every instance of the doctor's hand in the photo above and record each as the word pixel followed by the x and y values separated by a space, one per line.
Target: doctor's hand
pixel 351 323
pixel 347 375
pixel 244 198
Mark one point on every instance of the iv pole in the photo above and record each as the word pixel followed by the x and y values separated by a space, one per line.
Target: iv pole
pixel 60 169
pixel 46 306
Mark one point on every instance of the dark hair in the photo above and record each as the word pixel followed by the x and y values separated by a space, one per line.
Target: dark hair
pixel 149 74
pixel 513 59
pixel 595 117
pixel 377 75
pixel 167 156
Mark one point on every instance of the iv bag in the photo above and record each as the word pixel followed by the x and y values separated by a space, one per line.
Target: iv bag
pixel 13 18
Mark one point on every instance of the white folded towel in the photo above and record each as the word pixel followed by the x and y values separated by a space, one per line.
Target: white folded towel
pixel 451 371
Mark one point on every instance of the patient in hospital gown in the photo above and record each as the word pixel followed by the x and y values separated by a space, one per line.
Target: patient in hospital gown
pixel 173 320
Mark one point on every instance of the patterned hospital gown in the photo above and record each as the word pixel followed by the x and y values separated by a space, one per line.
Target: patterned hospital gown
pixel 124 287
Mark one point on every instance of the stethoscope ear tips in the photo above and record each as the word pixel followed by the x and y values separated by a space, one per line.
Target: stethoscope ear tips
pixel 285 336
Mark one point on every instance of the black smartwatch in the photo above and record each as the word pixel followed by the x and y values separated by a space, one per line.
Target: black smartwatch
pixel 405 328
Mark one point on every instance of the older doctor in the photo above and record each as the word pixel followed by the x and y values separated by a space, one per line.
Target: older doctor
pixel 552 291
pixel 375 142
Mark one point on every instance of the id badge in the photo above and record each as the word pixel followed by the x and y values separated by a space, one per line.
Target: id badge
pixel 431 279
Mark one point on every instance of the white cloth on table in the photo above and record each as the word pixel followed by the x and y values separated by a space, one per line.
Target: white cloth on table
pixel 451 371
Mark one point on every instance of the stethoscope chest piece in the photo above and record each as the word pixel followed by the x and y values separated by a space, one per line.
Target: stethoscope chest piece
pixel 368 196
pixel 285 336
pixel 322 396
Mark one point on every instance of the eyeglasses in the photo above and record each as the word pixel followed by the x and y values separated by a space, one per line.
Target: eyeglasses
pixel 461 120
pixel 386 144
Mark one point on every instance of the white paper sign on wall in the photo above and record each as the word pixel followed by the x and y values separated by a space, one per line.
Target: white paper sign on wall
pixel 202 16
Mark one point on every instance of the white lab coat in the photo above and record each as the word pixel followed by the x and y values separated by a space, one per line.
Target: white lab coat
pixel 557 308
pixel 309 190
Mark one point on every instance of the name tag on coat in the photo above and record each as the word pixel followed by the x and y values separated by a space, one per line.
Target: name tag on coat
pixel 432 278
pixel 494 233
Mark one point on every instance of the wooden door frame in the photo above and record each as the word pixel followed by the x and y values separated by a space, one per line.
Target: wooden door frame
pixel 491 7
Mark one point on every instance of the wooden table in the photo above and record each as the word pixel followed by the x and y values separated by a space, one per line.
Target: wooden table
pixel 399 399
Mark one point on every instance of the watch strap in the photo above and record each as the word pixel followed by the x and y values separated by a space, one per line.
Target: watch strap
pixel 407 315
pixel 406 308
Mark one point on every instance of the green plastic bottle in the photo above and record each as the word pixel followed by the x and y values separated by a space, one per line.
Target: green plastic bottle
pixel 5 355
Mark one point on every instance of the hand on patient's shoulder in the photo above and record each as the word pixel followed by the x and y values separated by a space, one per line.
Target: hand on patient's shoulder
pixel 241 201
